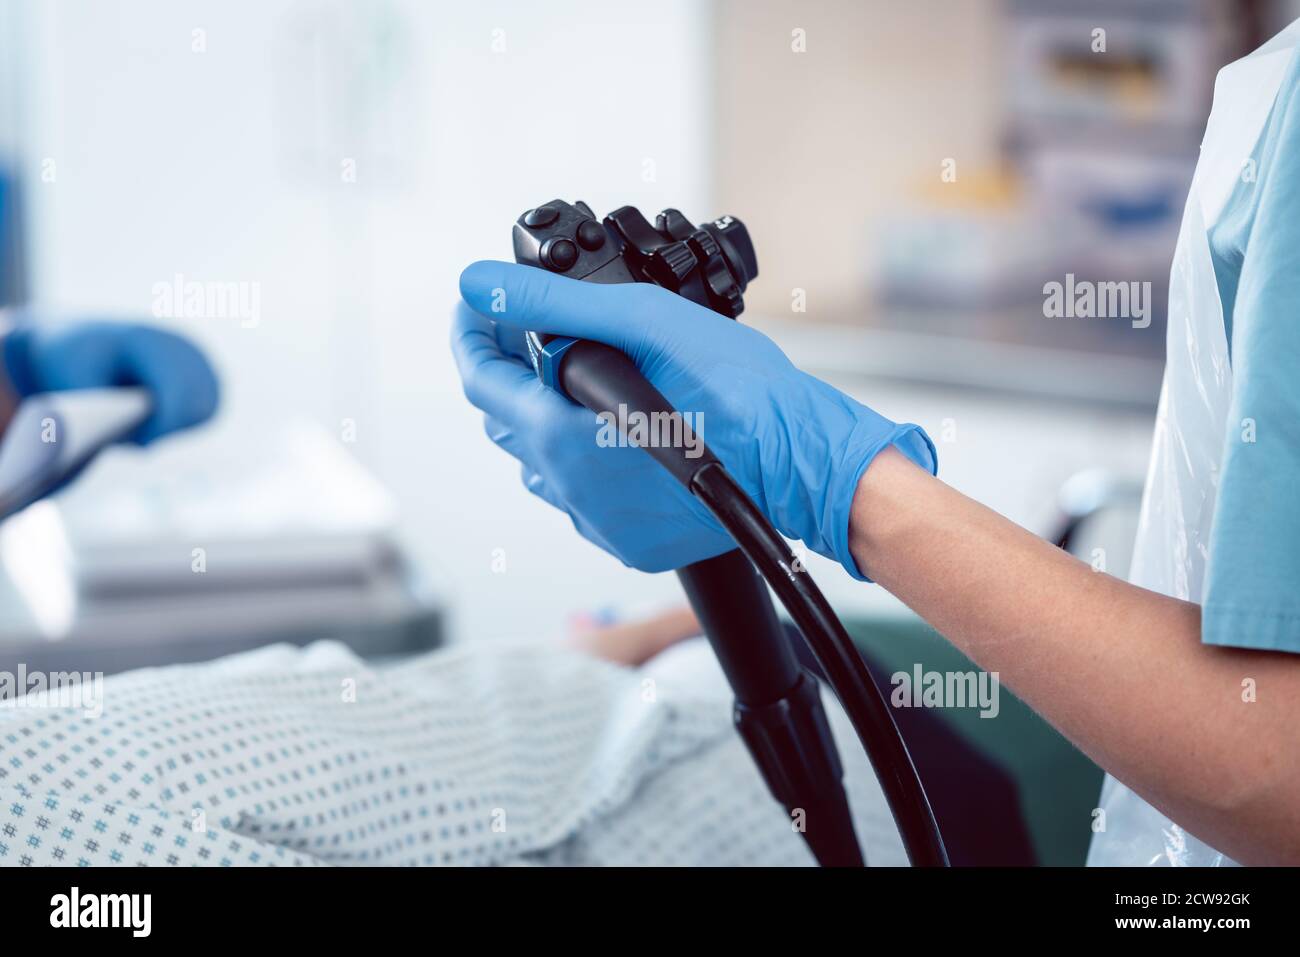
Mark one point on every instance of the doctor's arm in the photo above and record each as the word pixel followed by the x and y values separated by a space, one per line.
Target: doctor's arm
pixel 1150 687
pixel 1119 670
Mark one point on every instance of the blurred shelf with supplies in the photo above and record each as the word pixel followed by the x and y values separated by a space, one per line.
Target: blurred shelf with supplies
pixel 1047 144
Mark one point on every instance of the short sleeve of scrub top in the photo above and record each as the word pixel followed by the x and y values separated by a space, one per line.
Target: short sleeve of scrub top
pixel 1252 587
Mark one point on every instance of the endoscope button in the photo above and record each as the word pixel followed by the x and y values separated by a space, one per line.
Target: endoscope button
pixel 591 235
pixel 559 254
pixel 541 216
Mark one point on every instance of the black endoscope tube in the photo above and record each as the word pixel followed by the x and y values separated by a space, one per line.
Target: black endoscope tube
pixel 838 656
pixel 602 378
pixel 778 709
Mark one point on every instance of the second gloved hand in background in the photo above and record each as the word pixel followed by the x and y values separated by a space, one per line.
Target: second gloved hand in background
pixel 46 357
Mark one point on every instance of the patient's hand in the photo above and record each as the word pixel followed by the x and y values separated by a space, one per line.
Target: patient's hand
pixel 634 643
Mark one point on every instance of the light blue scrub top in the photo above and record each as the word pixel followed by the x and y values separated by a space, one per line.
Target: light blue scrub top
pixel 1252 590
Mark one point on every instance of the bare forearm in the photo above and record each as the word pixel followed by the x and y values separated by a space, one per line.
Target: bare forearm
pixel 1119 670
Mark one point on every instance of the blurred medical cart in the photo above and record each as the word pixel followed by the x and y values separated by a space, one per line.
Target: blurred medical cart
pixel 136 566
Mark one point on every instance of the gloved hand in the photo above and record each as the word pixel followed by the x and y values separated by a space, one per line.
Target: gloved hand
pixel 795 444
pixel 86 355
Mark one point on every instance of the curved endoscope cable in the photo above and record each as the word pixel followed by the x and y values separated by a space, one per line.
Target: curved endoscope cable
pixel 843 666
pixel 601 378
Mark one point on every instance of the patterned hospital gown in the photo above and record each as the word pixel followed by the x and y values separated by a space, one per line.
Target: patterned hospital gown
pixel 493 754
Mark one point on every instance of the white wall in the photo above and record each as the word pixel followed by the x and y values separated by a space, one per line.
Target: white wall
pixel 226 164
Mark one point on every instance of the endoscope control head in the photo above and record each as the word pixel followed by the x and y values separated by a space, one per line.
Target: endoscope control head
pixel 710 264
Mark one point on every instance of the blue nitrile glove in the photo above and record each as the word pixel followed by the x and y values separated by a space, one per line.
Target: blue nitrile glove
pixel 794 443
pixel 90 355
